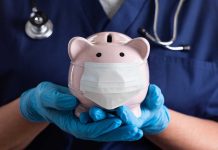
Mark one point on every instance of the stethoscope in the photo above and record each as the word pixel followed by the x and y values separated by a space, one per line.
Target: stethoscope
pixel 40 27
pixel 156 39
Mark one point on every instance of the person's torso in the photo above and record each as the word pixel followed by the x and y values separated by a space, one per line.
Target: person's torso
pixel 188 79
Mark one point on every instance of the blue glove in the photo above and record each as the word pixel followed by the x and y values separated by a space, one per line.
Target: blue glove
pixel 52 103
pixel 123 133
pixel 154 119
pixel 155 116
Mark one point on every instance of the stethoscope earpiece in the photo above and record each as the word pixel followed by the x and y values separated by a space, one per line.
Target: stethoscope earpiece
pixel 38 26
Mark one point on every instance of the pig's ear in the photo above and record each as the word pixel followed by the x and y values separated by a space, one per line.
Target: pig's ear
pixel 141 45
pixel 76 45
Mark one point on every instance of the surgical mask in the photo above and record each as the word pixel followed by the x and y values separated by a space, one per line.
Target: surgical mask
pixel 110 85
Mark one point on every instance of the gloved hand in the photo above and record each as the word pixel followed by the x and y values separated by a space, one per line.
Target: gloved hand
pixel 52 103
pixel 123 133
pixel 155 116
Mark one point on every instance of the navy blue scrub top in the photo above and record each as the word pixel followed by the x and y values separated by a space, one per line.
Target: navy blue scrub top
pixel 189 80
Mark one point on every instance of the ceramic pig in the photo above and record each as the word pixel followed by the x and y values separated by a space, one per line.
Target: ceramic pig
pixel 109 69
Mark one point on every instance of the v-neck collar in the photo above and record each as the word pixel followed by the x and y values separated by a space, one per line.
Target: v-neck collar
pixel 120 22
pixel 95 14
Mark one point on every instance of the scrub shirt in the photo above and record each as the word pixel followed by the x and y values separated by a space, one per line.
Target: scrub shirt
pixel 188 79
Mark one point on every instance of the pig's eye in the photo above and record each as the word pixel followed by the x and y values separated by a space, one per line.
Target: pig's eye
pixel 98 55
pixel 122 54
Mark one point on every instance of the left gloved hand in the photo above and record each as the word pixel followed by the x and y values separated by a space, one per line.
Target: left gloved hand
pixel 155 116
pixel 52 103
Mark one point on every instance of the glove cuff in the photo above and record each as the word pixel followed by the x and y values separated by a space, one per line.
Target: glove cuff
pixel 161 123
pixel 28 107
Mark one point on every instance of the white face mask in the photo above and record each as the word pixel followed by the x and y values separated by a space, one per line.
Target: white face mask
pixel 110 85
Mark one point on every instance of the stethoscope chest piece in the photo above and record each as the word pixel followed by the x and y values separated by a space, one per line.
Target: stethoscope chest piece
pixel 38 26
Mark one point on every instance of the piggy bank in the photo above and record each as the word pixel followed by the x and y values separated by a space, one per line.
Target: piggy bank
pixel 109 69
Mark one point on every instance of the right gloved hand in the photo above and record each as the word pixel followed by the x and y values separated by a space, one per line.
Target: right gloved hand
pixel 52 103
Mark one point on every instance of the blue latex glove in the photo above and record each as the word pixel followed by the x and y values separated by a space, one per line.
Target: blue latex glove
pixel 123 133
pixel 49 102
pixel 155 116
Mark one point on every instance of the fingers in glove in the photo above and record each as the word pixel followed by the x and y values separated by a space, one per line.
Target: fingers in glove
pixel 137 136
pixel 154 99
pixel 103 126
pixel 71 124
pixel 85 118
pixel 56 96
pixel 127 116
pixel 97 113
pixel 124 133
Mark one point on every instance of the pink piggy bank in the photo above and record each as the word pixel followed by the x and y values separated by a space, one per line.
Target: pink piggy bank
pixel 109 69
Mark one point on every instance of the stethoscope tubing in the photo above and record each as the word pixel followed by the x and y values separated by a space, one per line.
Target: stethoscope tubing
pixel 44 29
